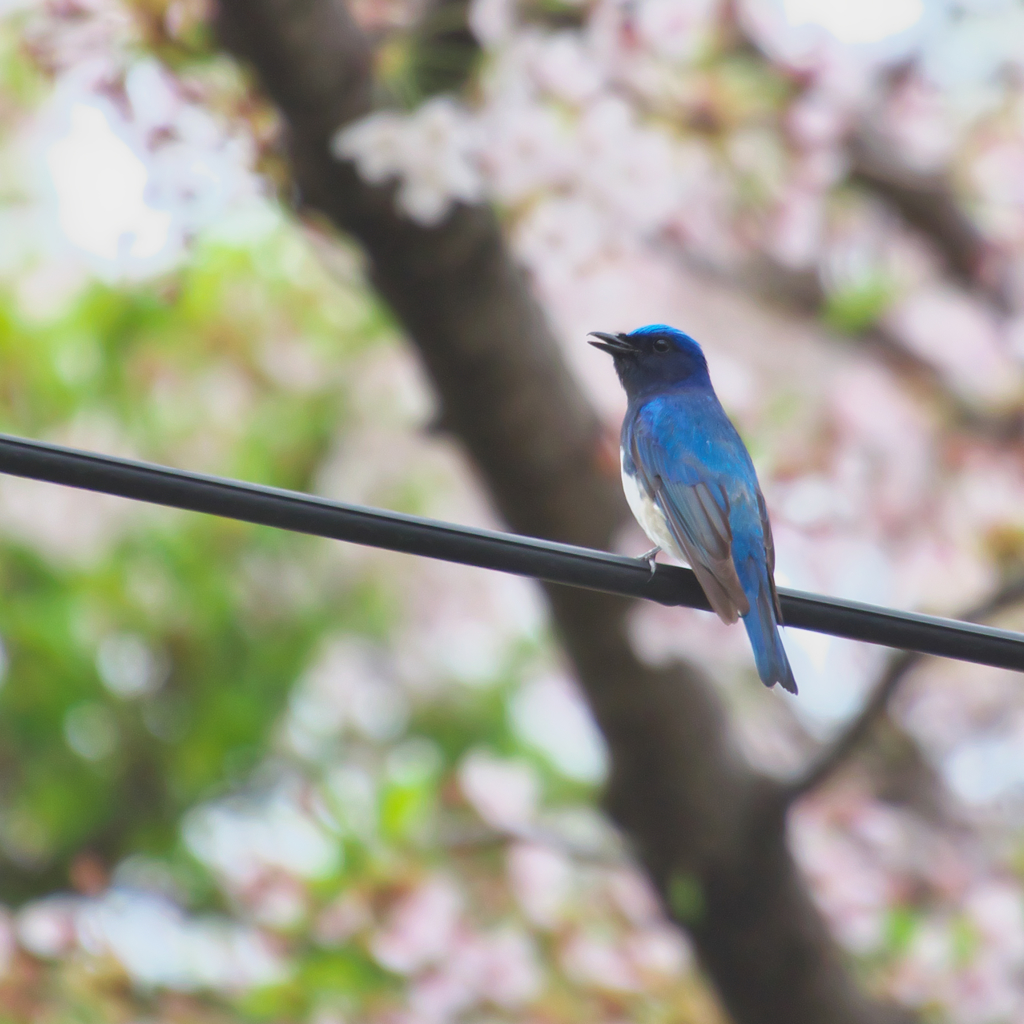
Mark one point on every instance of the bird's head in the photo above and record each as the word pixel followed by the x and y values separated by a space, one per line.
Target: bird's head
pixel 653 357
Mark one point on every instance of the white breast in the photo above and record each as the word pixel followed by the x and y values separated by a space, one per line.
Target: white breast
pixel 647 514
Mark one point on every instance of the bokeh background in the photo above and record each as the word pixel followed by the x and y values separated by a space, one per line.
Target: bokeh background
pixel 253 776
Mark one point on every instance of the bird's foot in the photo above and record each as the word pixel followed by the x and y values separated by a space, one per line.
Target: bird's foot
pixel 650 557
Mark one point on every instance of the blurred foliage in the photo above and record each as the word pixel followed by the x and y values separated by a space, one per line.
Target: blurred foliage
pixel 172 368
pixel 149 668
pixel 856 307
pixel 444 51
pixel 154 663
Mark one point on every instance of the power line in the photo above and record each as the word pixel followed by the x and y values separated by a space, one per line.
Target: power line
pixel 488 549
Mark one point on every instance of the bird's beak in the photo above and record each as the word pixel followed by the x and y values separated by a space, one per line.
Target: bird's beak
pixel 613 344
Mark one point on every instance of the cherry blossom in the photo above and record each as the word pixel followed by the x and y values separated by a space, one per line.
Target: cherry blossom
pixel 431 151
pixel 503 792
pixel 646 168
pixel 422 928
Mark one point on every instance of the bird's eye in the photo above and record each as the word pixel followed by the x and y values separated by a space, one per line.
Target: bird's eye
pixel 660 345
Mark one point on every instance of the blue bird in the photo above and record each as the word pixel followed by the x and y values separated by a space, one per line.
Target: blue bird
pixel 690 483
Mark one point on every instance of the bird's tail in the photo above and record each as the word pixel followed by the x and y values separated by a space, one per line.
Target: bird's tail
pixel 769 654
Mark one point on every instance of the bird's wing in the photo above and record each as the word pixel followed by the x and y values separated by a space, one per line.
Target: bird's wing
pixel 696 509
pixel 769 550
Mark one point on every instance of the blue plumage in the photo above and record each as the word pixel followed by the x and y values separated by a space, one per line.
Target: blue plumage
pixel 692 487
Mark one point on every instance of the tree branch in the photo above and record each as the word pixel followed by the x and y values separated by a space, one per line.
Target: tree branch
pixel 925 200
pixel 840 750
pixel 705 827
pixel 929 204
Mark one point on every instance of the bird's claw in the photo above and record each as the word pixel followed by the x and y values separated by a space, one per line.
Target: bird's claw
pixel 650 557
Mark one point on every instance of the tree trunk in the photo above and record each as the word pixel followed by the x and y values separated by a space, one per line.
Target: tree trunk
pixel 710 832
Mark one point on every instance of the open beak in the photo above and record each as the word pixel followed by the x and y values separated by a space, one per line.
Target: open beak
pixel 613 344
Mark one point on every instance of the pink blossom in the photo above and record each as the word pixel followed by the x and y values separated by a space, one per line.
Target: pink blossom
pixel 703 218
pixel 850 884
pixel 98 36
pixel 564 67
pixel 441 166
pixel 919 977
pixel 559 238
pixel 960 337
pixel 996 907
pixel 886 460
pixel 628 168
pixel 815 500
pixel 819 168
pixel 155 942
pixel 348 687
pixel 796 229
pixel 760 156
pixel 1015 337
pixel 509 973
pixel 632 894
pixel 47 927
pixel 550 714
pixel 342 919
pixel 277 900
pixel 816 119
pixel 998 172
pixel 432 151
pixel 153 95
pixel 677 29
pixel 865 246
pixel 440 995
pixel 916 117
pixel 491 21
pixel 940 570
pixel 658 954
pixel 250 842
pixel 499 967
pixel 541 879
pixel 599 963
pixel 983 993
pixel 459 622
pixel 639 181
pixel 375 144
pixel 421 929
pixel 503 792
pixel 990 491
pixel 527 150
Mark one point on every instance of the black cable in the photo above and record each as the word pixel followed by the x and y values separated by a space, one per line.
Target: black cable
pixel 505 552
